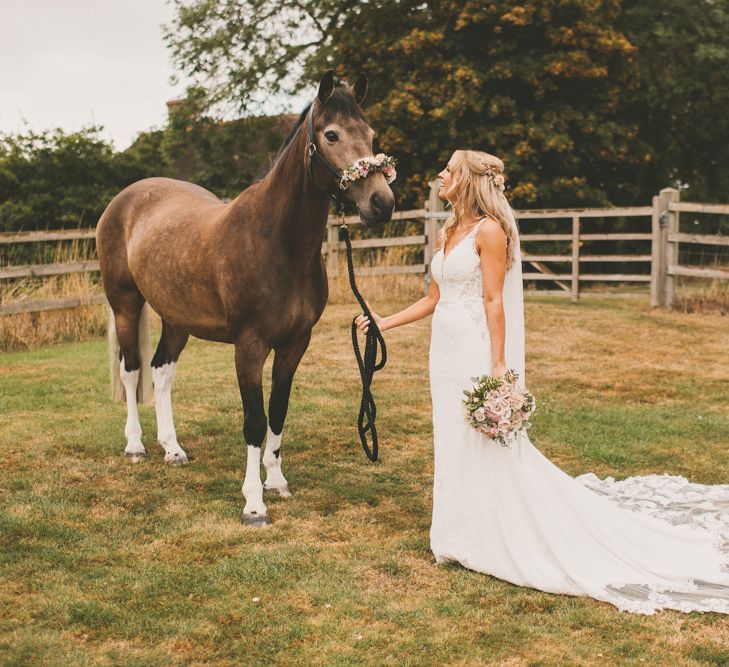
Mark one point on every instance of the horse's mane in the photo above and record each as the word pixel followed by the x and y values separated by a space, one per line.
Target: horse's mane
pixel 341 102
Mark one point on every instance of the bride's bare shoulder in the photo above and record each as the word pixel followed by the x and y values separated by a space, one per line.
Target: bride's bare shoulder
pixel 490 234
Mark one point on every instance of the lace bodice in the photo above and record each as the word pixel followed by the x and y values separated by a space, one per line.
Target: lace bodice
pixel 459 274
pixel 460 282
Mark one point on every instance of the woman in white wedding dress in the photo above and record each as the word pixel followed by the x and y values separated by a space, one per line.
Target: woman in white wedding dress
pixel 642 544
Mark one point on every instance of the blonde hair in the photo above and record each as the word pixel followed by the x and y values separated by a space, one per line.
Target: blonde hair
pixel 479 179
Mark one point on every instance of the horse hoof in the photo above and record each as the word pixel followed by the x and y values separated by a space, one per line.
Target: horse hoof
pixel 282 491
pixel 135 457
pixel 255 520
pixel 176 459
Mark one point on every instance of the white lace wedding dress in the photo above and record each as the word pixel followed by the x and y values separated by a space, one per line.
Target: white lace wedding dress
pixel 642 544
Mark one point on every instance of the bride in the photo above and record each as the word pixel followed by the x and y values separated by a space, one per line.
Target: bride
pixel 641 544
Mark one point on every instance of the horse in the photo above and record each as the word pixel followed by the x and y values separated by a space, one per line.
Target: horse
pixel 248 272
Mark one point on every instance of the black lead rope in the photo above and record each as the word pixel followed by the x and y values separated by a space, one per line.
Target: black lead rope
pixel 368 364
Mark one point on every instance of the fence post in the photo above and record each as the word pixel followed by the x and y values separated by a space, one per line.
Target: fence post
pixel 433 205
pixel 663 252
pixel 575 258
pixel 656 255
pixel 332 248
pixel 671 248
pixel 145 390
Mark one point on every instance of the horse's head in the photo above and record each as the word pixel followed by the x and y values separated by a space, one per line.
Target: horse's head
pixel 341 136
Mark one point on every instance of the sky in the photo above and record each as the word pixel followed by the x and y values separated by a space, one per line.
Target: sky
pixel 71 63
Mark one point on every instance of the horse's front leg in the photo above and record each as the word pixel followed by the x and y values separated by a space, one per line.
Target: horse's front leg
pixel 250 355
pixel 285 364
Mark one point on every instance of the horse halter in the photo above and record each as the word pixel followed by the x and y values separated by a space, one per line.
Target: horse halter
pixel 316 156
pixel 314 153
pixel 360 168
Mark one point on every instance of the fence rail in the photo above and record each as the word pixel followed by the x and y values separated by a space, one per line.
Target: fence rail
pixel 37 306
pixel 690 207
pixel 63 235
pixel 36 270
pixel 664 238
pixel 703 239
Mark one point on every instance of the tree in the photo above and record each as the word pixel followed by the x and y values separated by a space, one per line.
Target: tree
pixel 53 180
pixel 241 52
pixel 540 83
pixel 223 156
pixel 680 107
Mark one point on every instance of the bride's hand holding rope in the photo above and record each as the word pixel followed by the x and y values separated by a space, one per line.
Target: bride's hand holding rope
pixel 414 312
pixel 363 321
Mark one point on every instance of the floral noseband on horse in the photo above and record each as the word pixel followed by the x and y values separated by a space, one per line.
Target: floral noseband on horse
pixel 365 166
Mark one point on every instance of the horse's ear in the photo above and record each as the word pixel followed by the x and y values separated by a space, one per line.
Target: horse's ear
pixel 360 88
pixel 326 86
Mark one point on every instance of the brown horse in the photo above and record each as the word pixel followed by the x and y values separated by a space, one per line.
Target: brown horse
pixel 249 272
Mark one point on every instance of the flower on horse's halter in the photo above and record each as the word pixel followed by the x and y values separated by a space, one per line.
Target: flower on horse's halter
pixel 365 166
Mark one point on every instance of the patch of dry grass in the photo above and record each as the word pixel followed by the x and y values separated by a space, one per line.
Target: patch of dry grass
pixel 703 297
pixel 24 331
pixel 405 286
pixel 639 360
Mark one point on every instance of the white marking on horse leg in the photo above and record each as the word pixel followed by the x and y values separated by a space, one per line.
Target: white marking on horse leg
pixel 134 450
pixel 254 512
pixel 162 379
pixel 275 480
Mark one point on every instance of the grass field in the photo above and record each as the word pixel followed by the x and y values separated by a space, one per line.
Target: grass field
pixel 108 563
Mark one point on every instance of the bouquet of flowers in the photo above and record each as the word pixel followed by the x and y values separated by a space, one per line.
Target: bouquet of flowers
pixel 498 408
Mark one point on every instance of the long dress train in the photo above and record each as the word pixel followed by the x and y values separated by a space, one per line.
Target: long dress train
pixel 642 544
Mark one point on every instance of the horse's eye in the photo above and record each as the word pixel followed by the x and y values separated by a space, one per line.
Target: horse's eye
pixel 331 136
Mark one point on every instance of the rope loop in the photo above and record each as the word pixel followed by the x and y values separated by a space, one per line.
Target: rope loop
pixel 367 363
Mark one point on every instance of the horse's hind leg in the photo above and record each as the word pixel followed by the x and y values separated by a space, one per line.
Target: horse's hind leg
pixel 164 364
pixel 285 364
pixel 127 308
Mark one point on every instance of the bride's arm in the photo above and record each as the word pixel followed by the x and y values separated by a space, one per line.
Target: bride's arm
pixel 414 312
pixel 491 245
pixel 417 311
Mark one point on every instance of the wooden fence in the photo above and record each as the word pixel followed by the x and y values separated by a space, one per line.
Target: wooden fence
pixel 569 283
pixel 14 272
pixel 664 239
pixel 667 237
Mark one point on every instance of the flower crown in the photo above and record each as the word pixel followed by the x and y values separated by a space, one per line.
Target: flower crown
pixel 369 165
pixel 496 178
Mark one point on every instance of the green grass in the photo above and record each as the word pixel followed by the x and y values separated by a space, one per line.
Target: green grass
pixel 108 563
